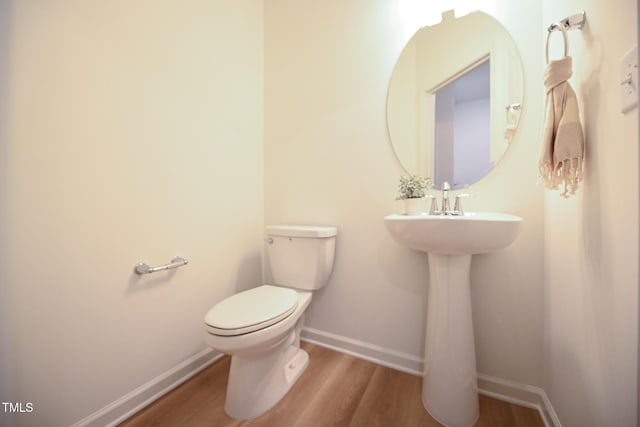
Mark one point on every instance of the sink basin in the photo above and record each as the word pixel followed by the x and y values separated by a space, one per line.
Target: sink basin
pixel 471 233
pixel 449 386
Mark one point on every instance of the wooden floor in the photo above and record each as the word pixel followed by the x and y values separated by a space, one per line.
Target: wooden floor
pixel 335 390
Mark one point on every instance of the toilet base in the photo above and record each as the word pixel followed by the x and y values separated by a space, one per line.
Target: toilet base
pixel 258 382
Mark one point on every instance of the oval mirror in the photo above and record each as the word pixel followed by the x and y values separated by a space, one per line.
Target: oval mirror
pixel 454 99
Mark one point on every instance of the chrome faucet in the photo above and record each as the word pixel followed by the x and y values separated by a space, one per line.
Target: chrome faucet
pixel 446 208
pixel 446 205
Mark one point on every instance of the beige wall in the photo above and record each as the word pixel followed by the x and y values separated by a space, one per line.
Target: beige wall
pixel 135 134
pixel 591 248
pixel 328 161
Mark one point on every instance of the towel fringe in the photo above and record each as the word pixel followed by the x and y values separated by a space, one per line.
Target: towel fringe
pixel 567 173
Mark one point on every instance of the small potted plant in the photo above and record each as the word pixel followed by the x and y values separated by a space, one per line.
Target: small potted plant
pixel 413 190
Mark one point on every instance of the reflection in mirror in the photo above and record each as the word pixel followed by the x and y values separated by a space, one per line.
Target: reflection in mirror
pixel 454 99
pixel 462 146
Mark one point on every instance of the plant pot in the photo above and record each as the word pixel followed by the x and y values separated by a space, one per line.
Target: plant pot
pixel 415 206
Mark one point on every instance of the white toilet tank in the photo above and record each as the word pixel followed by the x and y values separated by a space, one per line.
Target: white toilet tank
pixel 301 257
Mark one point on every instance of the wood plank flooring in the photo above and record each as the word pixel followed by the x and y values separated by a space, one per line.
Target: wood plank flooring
pixel 335 390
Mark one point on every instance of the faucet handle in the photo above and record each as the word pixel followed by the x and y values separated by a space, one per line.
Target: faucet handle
pixel 457 207
pixel 434 205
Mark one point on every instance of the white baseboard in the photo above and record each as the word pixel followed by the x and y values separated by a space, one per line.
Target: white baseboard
pixel 498 388
pixel 519 394
pixel 380 355
pixel 132 402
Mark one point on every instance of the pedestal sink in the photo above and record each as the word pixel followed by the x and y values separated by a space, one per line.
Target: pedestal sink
pixel 449 387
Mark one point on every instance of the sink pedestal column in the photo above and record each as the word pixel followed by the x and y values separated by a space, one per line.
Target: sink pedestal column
pixel 449 387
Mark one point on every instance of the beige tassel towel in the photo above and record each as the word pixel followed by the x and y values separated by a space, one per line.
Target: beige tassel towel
pixel 563 141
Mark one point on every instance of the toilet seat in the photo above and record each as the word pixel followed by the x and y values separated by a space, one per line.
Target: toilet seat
pixel 251 310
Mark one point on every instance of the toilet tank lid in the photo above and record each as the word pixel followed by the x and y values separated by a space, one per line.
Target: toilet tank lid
pixel 301 230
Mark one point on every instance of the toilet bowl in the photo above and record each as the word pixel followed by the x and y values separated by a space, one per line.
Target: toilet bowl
pixel 260 328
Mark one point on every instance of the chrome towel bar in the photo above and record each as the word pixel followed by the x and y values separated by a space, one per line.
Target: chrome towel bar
pixel 144 268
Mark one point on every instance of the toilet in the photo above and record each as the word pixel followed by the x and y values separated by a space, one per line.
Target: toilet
pixel 260 328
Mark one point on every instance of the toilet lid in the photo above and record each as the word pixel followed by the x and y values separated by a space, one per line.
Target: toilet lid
pixel 251 310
